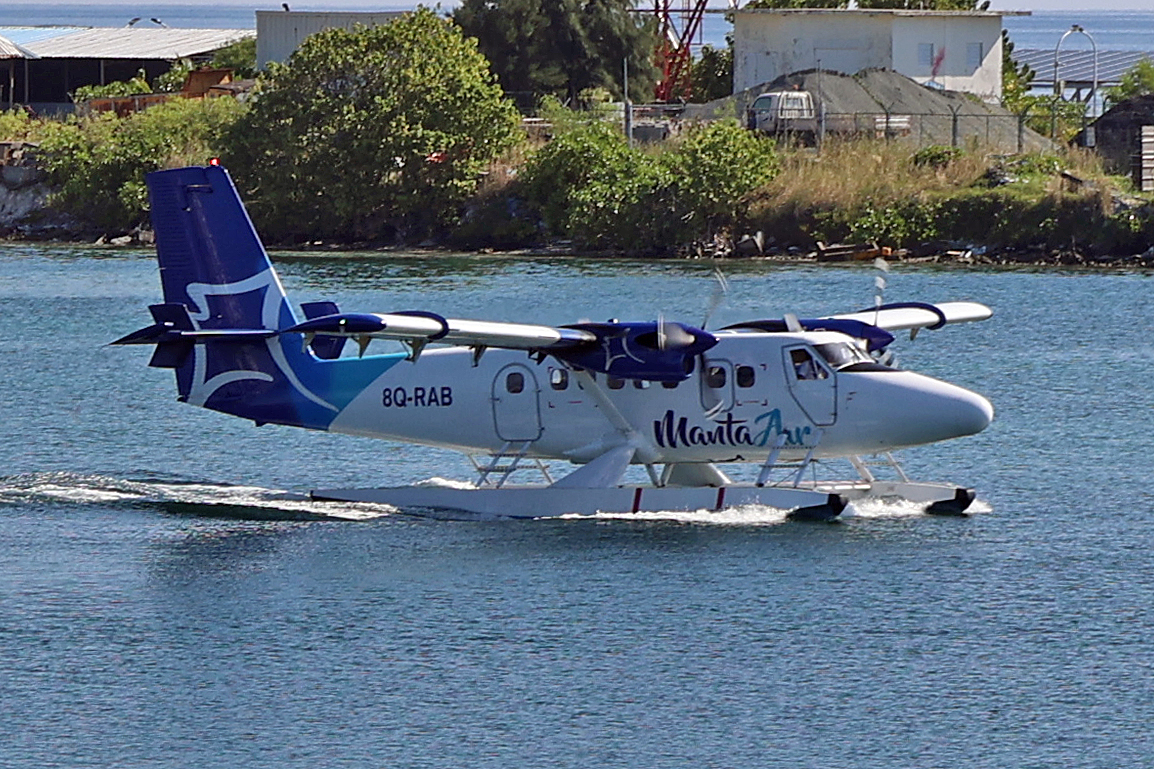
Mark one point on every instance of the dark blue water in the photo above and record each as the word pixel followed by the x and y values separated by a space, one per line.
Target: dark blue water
pixel 163 603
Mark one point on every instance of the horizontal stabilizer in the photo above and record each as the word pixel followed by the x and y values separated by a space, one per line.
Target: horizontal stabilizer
pixel 174 334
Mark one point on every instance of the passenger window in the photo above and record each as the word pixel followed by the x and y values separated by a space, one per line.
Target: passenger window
pixel 559 378
pixel 715 376
pixel 745 376
pixel 515 382
pixel 614 383
pixel 670 385
pixel 641 384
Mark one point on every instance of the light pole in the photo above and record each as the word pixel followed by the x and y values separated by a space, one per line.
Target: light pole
pixel 1094 46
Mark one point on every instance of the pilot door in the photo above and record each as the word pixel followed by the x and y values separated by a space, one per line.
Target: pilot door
pixel 516 413
pixel 812 384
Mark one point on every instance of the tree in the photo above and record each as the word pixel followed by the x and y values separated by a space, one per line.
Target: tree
pixel 239 56
pixel 1016 78
pixel 1137 80
pixel 562 47
pixel 711 73
pixel 371 134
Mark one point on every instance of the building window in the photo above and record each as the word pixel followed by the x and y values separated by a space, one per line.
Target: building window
pixel 974 55
pixel 925 54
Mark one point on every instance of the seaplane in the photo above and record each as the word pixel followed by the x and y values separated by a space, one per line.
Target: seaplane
pixel 642 415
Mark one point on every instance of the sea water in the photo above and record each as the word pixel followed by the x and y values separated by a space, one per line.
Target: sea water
pixel 168 597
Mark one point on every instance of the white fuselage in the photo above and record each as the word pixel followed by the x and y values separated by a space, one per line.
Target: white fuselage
pixel 751 392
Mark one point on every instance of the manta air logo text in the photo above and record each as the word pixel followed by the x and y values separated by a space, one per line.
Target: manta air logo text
pixel 672 432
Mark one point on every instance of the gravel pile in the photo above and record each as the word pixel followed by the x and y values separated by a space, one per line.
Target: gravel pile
pixel 876 93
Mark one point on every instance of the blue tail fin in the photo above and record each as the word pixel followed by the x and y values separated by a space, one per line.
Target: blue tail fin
pixel 213 264
pixel 211 259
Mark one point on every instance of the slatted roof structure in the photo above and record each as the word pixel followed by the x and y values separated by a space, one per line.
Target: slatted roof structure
pixel 1076 66
pixel 150 43
pixel 57 60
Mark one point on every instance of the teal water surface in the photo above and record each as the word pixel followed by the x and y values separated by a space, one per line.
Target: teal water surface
pixel 168 600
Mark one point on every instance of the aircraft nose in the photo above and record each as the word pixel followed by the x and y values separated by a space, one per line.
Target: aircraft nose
pixel 971 413
pixel 907 409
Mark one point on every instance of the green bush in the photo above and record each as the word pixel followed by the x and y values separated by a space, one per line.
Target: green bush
pixel 376 134
pixel 936 155
pixel 136 85
pixel 97 165
pixel 589 185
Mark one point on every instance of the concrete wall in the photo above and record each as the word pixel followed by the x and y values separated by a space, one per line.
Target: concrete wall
pixel 279 33
pixel 969 49
pixel 768 44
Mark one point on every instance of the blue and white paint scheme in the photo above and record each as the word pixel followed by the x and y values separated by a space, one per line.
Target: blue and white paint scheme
pixel 677 399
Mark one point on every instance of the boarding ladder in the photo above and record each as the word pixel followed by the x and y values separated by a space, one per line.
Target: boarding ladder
pixel 503 463
pixel 885 459
pixel 772 464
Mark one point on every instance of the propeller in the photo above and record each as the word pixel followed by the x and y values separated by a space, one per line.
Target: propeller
pixel 671 336
pixel 885 357
pixel 720 290
pixel 883 268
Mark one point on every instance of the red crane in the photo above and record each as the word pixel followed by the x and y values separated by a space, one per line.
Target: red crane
pixel 678 28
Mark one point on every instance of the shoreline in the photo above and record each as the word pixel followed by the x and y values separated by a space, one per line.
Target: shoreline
pixel 976 257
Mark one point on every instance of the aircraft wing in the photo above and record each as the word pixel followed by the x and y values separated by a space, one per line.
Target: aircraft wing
pixel 652 350
pixel 430 327
pixel 915 315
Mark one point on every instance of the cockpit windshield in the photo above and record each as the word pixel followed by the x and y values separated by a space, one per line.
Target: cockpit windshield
pixel 841 354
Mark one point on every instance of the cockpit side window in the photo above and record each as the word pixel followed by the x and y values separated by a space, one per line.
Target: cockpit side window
pixel 804 365
pixel 842 354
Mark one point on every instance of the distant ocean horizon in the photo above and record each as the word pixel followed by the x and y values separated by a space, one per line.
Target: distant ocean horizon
pixel 1116 30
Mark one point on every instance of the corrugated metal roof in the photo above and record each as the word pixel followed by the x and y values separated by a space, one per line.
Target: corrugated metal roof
pixel 135 43
pixel 9 50
pixel 1076 66
pixel 26 35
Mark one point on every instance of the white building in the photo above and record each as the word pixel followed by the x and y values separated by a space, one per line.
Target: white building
pixel 279 33
pixel 956 50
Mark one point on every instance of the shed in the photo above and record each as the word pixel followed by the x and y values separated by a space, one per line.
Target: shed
pixel 1118 135
pixel 952 50
pixel 58 60
pixel 279 33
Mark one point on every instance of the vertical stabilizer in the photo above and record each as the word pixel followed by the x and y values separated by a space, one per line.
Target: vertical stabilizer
pixel 213 266
pixel 211 259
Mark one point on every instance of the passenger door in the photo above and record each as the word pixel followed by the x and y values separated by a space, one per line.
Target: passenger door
pixel 516 404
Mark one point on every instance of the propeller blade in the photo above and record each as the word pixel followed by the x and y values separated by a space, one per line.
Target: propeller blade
pixel 720 290
pixel 671 336
pixel 792 323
